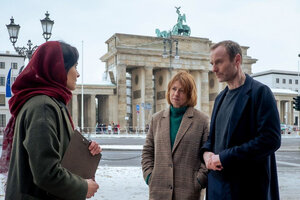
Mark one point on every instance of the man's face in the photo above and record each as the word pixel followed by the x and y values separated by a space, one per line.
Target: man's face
pixel 224 69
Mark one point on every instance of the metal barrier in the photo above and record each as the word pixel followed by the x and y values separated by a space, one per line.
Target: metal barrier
pixel 105 130
pixel 114 131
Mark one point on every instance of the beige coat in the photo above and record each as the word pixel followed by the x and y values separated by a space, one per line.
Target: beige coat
pixel 175 173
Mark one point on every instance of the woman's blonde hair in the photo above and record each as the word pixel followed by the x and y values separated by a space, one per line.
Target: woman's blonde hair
pixel 188 83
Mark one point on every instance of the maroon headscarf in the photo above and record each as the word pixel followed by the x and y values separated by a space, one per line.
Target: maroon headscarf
pixel 44 74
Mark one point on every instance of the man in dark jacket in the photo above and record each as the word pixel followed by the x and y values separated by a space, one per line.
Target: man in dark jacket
pixel 244 133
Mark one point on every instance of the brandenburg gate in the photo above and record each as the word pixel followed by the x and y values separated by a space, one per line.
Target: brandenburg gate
pixel 141 67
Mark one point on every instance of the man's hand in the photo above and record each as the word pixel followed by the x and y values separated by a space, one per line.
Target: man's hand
pixel 207 157
pixel 216 163
pixel 212 161
pixel 94 148
pixel 92 188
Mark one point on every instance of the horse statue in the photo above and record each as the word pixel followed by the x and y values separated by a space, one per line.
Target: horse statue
pixel 163 34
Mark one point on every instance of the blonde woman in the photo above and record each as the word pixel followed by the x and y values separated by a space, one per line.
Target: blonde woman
pixel 170 160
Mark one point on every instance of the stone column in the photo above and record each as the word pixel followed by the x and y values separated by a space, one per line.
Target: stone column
pixel 112 111
pixel 148 95
pixel 282 111
pixel 279 109
pixel 92 111
pixel 204 92
pixel 290 113
pixel 197 77
pixel 86 111
pixel 162 78
pixel 121 91
pixel 75 110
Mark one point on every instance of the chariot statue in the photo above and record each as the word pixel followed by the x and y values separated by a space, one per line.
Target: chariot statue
pixel 178 29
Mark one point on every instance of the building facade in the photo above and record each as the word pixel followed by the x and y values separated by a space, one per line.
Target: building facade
pixel 284 85
pixel 13 61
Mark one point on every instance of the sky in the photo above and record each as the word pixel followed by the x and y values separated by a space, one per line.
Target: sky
pixel 270 28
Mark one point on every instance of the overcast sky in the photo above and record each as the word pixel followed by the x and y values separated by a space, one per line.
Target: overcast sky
pixel 271 28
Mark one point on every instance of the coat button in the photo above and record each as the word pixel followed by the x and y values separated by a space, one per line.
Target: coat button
pixel 170 187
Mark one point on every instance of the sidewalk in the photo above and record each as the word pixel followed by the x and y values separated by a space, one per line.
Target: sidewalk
pixel 140 147
pixel 122 147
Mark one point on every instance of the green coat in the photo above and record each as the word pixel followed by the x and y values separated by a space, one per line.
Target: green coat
pixel 41 136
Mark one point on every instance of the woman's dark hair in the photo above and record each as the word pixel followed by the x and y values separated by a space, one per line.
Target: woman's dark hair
pixel 70 55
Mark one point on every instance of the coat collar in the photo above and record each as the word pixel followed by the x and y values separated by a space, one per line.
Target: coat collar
pixel 186 122
pixel 238 109
pixel 165 129
pixel 65 116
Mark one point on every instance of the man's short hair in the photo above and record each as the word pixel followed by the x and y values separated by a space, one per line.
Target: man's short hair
pixel 188 83
pixel 232 48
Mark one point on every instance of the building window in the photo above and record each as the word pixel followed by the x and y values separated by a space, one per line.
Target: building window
pixel 2 99
pixel 283 81
pixel 2 65
pixel 296 82
pixel 14 65
pixel 2 120
pixel 2 81
pixel 290 81
pixel 277 80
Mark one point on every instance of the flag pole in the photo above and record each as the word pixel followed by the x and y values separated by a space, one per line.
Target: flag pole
pixel 82 115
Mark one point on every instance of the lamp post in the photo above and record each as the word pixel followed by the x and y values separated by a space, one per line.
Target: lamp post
pixel 166 54
pixel 298 124
pixel 170 42
pixel 13 31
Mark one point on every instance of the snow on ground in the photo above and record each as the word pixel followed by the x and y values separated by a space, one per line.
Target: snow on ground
pixel 121 183
pixel 116 183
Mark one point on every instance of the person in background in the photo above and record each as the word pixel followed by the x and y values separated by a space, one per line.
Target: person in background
pixel 244 133
pixel 109 128
pixel 170 158
pixel 40 129
pixel 118 128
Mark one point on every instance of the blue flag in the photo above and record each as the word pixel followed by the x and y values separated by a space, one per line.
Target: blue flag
pixel 8 88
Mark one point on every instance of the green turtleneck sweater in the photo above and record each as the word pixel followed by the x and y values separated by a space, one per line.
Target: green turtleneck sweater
pixel 176 115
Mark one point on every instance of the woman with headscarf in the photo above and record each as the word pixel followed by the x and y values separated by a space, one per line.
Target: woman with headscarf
pixel 170 159
pixel 40 128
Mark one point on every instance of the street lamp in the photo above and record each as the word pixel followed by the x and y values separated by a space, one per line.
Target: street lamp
pixel 166 54
pixel 170 42
pixel 13 31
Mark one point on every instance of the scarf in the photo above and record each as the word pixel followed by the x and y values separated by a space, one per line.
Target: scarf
pixel 44 75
